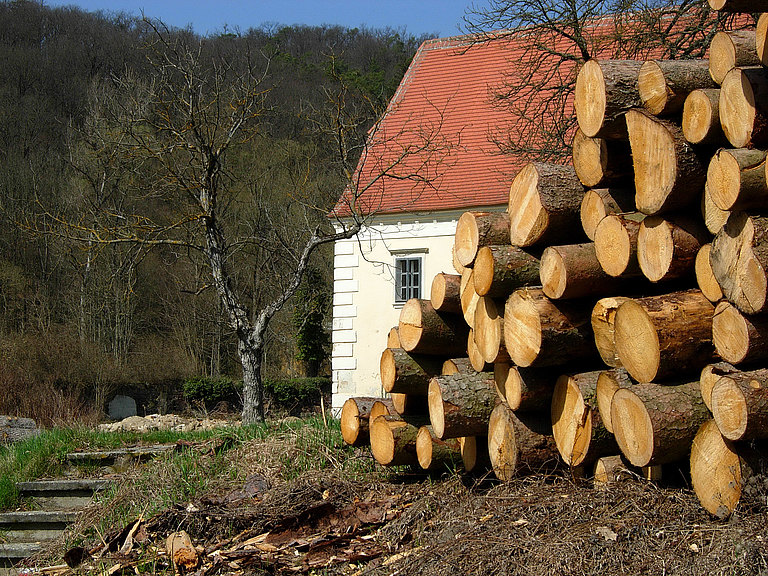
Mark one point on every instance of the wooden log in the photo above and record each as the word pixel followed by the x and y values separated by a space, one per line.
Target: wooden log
pixel 525 389
pixel 736 179
pixel 608 382
pixel 599 162
pixel 667 248
pixel 710 374
pixel 393 441
pixel 476 358
pixel 382 407
pixel 659 336
pixel 474 453
pixel 616 244
pixel 605 90
pixel 404 373
pixel 460 404
pixel 544 202
pixel 721 470
pixel 663 85
pixel 456 366
pixel 731 49
pixel 16 429
pixel 435 454
pixel 740 405
pixel 613 470
pixel 761 39
pixel 424 330
pixel 744 107
pixel 739 259
pixel 408 405
pixel 579 431
pixel 445 294
pixel 469 297
pixel 655 424
pixel 714 217
pixel 520 443
pixel 573 271
pixel 668 173
pixel 701 117
pixel 602 321
pixel 393 338
pixel 457 266
pixel 739 339
pixel 477 229
pixel 354 420
pixel 705 278
pixel 499 270
pixel 539 332
pixel 600 202
pixel 739 6
pixel 489 330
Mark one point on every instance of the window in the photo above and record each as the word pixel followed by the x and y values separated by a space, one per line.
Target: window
pixel 407 279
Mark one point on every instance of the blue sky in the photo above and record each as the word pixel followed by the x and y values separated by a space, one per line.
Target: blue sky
pixel 434 17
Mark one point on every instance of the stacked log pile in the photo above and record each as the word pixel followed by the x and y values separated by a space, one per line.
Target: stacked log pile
pixel 615 317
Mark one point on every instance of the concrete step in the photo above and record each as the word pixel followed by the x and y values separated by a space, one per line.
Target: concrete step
pixel 13 553
pixel 106 457
pixel 61 494
pixel 35 525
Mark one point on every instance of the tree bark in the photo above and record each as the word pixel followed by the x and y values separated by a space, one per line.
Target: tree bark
pixel 736 179
pixel 663 85
pixel 423 330
pixel 710 374
pixel 477 229
pixel 435 454
pixel 573 271
pixel 667 248
pixel 705 278
pixel 664 335
pixel 602 321
pixel 525 389
pixel 404 373
pixel 393 441
pixel 600 202
pixel 740 405
pixel 655 424
pixel 499 270
pixel 544 203
pixel 354 420
pixel 460 404
pixel 744 107
pixel 608 382
pixel 456 366
pixel 739 339
pixel 445 294
pixel 701 117
pixel 616 244
pixel 600 163
pixel 731 49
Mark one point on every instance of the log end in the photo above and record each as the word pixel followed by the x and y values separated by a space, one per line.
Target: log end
pixel 730 333
pixel 410 327
pixel 436 408
pixel 729 408
pixel 637 342
pixel 704 277
pixel 737 108
pixel 715 471
pixel 528 219
pixel 589 98
pixel 350 422
pixel 652 87
pixel 655 248
pixel 424 447
pixel 722 56
pixel 761 39
pixel 553 274
pixel 502 445
pixel 632 427
pixel 466 239
pixel 522 328
pixel 699 116
pixel 483 271
pixel 590 157
pixel 382 441
pixel 613 245
pixel 387 369
pixel 571 421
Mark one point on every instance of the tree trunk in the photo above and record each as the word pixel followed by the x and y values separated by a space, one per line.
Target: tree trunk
pixel 663 85
pixel 602 320
pixel 667 249
pixel 736 179
pixel 744 107
pixel 460 404
pixel 435 454
pixel 740 405
pixel 477 229
pixel 599 162
pixel 710 374
pixel 731 49
pixel 600 202
pixel 544 203
pixel 616 244
pixel 520 443
pixel 701 117
pixel 404 373
pixel 573 271
pixel 739 339
pixel 251 358
pixel 539 332
pixel 739 259
pixel 525 389
pixel 655 424
pixel 445 295
pixel 605 90
pixel 714 217
pixel 608 382
pixel 664 335
pixel 499 270
pixel 668 173
pixel 423 330
pixel 705 278
pixel 393 441
pixel 577 426
pixel 489 330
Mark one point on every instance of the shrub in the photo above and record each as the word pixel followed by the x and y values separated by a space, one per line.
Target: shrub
pixel 295 394
pixel 212 391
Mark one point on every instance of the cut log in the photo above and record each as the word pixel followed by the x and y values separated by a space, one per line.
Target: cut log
pixel 600 202
pixel 739 258
pixel 476 358
pixel 460 404
pixel 744 107
pixel 499 270
pixel 616 244
pixel 705 277
pixel 659 336
pixel 736 179
pixel 544 202
pixel 602 321
pixel 435 454
pixel 668 173
pixel 525 389
pixel 16 429
pixel 445 294
pixel 608 382
pixel 714 217
pixel 408 405
pixel 710 374
pixel 605 90
pixel 740 405
pixel 404 373
pixel 731 49
pixel 599 162
pixel 743 6
pixel 701 117
pixel 354 420
pixel 667 249
pixel 663 85
pixel 578 429
pixel 721 471
pixel 573 271
pixel 393 441
pixel 489 330
pixel 539 332
pixel 393 338
pixel 469 297
pixel 456 366
pixel 382 407
pixel 457 266
pixel 737 338
pixel 761 39
pixel 612 470
pixel 655 424
pixel 474 453
pixel 477 229
pixel 423 330
pixel 520 443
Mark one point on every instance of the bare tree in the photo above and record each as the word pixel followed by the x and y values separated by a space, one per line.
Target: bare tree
pixel 549 40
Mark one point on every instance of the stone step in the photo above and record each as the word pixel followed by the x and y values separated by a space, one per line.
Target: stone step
pixel 106 457
pixel 13 553
pixel 61 494
pixel 35 525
